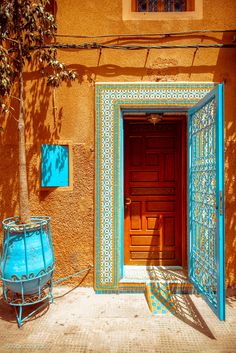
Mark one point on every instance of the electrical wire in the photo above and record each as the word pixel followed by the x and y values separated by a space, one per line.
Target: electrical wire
pixel 130 47
pixel 147 34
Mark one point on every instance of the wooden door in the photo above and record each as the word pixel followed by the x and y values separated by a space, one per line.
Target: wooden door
pixel 153 193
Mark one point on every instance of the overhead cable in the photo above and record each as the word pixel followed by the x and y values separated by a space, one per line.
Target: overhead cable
pixel 130 47
pixel 120 35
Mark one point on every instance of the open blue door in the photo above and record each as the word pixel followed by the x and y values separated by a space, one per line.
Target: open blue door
pixel 206 199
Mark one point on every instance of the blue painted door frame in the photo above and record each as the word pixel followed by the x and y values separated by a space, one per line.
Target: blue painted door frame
pixel 213 287
pixel 112 99
pixel 206 199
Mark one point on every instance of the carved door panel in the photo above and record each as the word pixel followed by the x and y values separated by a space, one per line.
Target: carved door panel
pixel 153 197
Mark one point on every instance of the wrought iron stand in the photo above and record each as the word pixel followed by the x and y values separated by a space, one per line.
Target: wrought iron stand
pixel 27 265
pixel 19 301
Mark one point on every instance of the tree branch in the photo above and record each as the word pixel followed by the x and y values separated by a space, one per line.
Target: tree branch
pixel 14 97
pixel 10 40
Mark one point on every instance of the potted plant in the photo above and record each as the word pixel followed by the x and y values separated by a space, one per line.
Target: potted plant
pixel 27 258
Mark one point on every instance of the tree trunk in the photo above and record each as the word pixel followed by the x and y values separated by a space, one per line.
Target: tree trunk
pixel 23 182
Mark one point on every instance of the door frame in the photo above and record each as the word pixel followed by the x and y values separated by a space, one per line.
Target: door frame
pixel 183 119
pixel 112 100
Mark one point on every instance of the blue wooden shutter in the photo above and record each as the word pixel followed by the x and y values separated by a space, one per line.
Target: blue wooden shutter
pixel 55 166
pixel 206 199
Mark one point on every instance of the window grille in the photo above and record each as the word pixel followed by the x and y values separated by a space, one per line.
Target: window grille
pixel 161 5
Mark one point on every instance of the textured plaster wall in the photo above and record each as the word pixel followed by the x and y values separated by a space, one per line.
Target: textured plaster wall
pixel 68 115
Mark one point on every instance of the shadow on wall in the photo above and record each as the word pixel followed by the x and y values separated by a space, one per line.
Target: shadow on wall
pixel 157 64
pixel 36 108
pixel 43 126
pixel 225 72
pixel 38 131
pixel 154 74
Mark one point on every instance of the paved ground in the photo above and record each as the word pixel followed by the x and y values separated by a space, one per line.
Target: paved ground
pixel 81 321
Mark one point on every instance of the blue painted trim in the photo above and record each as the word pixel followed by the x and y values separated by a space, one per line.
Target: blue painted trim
pixel 121 274
pixel 220 189
pixel 189 201
pixel 117 199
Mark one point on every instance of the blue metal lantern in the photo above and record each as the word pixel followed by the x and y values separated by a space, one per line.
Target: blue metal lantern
pixel 27 263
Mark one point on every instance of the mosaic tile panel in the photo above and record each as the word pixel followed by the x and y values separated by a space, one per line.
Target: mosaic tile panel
pixel 159 298
pixel 111 100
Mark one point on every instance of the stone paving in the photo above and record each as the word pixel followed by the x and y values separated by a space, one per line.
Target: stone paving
pixel 84 322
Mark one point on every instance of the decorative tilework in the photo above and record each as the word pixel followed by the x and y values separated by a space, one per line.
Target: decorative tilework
pixel 159 298
pixel 111 100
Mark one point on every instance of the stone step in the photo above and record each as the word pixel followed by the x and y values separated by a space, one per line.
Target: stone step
pixel 174 287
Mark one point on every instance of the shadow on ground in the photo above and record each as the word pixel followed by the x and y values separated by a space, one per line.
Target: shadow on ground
pixel 186 311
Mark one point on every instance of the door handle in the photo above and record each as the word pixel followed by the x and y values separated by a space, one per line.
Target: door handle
pixel 221 202
pixel 127 201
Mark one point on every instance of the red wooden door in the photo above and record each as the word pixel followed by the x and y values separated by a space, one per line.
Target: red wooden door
pixel 153 193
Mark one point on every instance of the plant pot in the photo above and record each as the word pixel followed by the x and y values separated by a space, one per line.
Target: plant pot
pixel 28 259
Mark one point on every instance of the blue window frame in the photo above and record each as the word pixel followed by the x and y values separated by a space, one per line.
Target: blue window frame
pixel 55 166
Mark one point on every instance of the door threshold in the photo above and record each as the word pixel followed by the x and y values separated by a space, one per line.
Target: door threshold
pixel 140 278
pixel 144 274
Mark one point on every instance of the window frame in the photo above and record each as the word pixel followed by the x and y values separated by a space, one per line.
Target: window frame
pixel 194 12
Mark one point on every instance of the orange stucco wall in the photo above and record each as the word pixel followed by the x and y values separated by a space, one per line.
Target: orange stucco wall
pixel 68 114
